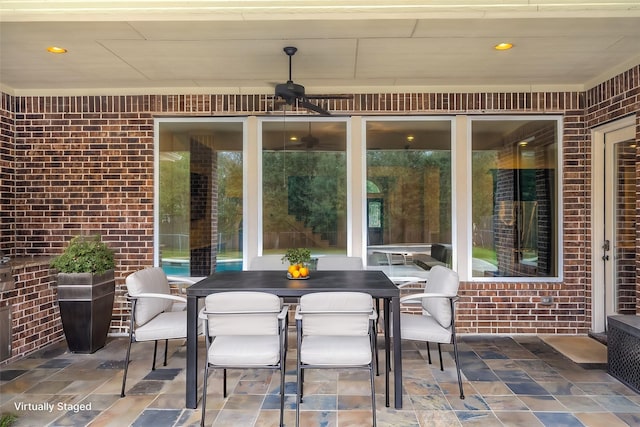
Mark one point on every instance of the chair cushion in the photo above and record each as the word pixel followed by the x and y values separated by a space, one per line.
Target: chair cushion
pixel 245 350
pixel 168 325
pixel 150 280
pixel 263 320
pixel 335 350
pixel 178 306
pixel 336 323
pixel 418 327
pixel 442 280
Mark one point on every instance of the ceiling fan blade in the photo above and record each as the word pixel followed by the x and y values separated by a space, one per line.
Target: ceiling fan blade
pixel 313 107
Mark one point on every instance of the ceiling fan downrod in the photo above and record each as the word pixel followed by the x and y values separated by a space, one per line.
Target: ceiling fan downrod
pixel 290 51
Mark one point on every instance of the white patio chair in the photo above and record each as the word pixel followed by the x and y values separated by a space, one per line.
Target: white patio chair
pixel 244 330
pixel 335 330
pixel 156 314
pixel 436 323
pixel 268 262
pixel 339 262
pixel 343 262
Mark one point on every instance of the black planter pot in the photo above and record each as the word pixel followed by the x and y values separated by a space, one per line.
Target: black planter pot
pixel 86 307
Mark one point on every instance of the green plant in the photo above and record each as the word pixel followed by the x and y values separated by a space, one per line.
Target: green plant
pixel 297 256
pixel 7 420
pixel 85 255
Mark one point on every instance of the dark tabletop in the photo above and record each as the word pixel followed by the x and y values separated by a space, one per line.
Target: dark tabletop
pixel 373 282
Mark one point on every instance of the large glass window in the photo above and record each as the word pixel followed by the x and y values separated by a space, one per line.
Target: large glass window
pixel 304 188
pixel 200 197
pixel 514 198
pixel 408 194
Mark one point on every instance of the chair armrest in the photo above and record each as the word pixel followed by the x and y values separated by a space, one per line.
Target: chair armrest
pixel 161 296
pixel 427 295
pixel 404 281
pixel 189 280
pixel 283 318
pixel 182 282
pixel 373 314
pixel 406 284
pixel 284 312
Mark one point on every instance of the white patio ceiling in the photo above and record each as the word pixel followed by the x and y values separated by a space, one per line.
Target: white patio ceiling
pixel 123 47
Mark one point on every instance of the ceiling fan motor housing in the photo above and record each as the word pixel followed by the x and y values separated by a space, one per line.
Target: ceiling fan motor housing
pixel 290 91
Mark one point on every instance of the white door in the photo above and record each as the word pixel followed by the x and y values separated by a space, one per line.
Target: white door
pixel 614 215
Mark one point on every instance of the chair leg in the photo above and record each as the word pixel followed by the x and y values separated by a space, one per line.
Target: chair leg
pixel 298 393
pixel 386 388
pixel 457 360
pixel 224 383
pixel 155 351
pixel 166 350
pixel 440 354
pixel 375 346
pixel 387 363
pixel 373 396
pixel 282 385
pixel 373 380
pixel 204 393
pixel 428 353
pixel 126 367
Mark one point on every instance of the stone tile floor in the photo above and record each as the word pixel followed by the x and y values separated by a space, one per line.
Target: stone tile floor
pixel 508 381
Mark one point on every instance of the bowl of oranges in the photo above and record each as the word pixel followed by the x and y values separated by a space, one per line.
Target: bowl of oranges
pixel 298 271
pixel 299 259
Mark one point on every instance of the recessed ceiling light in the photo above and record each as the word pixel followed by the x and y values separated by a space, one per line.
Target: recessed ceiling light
pixel 56 49
pixel 410 138
pixel 503 46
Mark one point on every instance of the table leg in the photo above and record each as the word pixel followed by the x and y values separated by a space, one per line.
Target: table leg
pixel 387 351
pixel 191 399
pixel 397 352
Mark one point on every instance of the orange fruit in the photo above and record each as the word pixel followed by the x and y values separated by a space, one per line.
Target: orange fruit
pixel 304 271
pixel 295 274
pixel 292 268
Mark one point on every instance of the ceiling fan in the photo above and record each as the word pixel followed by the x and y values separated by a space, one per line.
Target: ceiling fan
pixel 291 92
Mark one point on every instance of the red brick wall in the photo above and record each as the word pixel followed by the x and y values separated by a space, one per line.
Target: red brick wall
pixel 84 165
pixel 6 173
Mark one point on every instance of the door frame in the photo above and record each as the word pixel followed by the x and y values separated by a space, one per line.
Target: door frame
pixel 598 279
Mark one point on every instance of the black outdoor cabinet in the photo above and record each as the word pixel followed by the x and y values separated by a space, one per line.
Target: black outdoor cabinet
pixel 623 349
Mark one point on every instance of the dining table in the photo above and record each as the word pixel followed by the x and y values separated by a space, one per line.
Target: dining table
pixel 372 282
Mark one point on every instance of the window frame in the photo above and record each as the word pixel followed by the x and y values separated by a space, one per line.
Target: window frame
pixel 468 224
pixel 356 169
pixel 157 122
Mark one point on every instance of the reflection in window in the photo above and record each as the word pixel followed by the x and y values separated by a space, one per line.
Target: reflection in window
pixel 200 211
pixel 514 212
pixel 304 186
pixel 409 193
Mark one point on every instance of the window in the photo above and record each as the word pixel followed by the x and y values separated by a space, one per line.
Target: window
pixel 506 222
pixel 304 188
pixel 514 198
pixel 200 196
pixel 408 193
